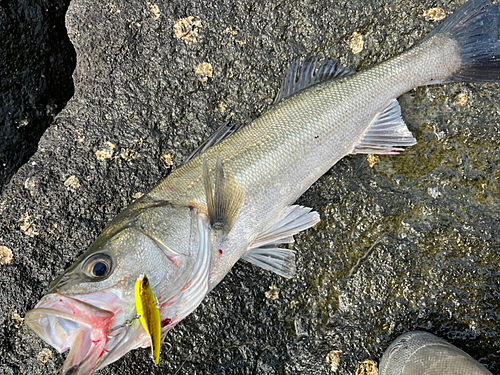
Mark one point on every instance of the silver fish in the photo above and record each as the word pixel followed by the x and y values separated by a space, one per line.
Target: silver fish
pixel 234 200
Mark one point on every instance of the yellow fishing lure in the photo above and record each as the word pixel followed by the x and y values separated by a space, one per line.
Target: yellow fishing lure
pixel 148 311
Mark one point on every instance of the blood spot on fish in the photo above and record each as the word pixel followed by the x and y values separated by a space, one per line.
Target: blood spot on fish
pixel 102 353
pixel 191 207
pixel 166 322
pixel 220 253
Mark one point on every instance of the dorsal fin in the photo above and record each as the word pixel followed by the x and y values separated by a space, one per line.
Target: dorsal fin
pixel 217 137
pixel 386 134
pixel 329 69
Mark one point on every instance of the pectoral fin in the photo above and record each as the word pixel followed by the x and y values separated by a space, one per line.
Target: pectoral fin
pixel 224 198
pixel 263 251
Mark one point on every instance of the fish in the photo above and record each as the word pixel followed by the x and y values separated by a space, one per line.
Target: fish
pixel 148 312
pixel 234 198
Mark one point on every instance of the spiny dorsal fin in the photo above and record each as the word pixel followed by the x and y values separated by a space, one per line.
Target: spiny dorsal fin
pixel 217 137
pixel 329 69
pixel 263 251
pixel 224 197
pixel 387 133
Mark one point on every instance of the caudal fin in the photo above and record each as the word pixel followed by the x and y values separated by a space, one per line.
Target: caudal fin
pixel 475 26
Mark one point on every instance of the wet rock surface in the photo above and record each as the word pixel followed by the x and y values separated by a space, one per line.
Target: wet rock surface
pixel 36 63
pixel 406 242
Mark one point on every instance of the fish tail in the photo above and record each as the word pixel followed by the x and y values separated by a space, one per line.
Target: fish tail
pixel 475 28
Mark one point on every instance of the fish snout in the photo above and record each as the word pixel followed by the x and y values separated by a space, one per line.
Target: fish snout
pixel 60 281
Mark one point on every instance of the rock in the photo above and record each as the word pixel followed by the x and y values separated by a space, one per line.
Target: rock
pixel 36 64
pixel 388 256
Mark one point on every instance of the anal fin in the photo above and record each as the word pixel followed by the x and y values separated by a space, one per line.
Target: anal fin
pixel 280 261
pixel 263 251
pixel 224 198
pixel 387 133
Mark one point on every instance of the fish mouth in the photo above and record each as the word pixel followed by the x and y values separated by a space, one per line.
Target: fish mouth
pixel 92 327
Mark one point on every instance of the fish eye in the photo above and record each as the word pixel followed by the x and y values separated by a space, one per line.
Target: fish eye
pixel 98 266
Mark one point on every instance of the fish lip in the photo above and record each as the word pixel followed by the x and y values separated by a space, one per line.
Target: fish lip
pixel 73 322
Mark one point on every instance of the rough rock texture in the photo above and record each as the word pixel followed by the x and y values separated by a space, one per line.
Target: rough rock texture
pixel 411 242
pixel 36 63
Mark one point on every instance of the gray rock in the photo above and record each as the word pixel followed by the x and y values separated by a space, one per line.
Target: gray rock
pixel 410 243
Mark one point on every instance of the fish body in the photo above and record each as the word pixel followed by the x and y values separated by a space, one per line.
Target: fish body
pixel 235 199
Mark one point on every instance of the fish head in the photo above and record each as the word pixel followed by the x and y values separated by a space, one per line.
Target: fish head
pixel 90 308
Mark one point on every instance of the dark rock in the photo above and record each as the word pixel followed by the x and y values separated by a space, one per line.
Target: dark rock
pixel 410 243
pixel 36 63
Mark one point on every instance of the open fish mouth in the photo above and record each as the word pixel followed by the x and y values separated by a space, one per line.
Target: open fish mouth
pixel 96 335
